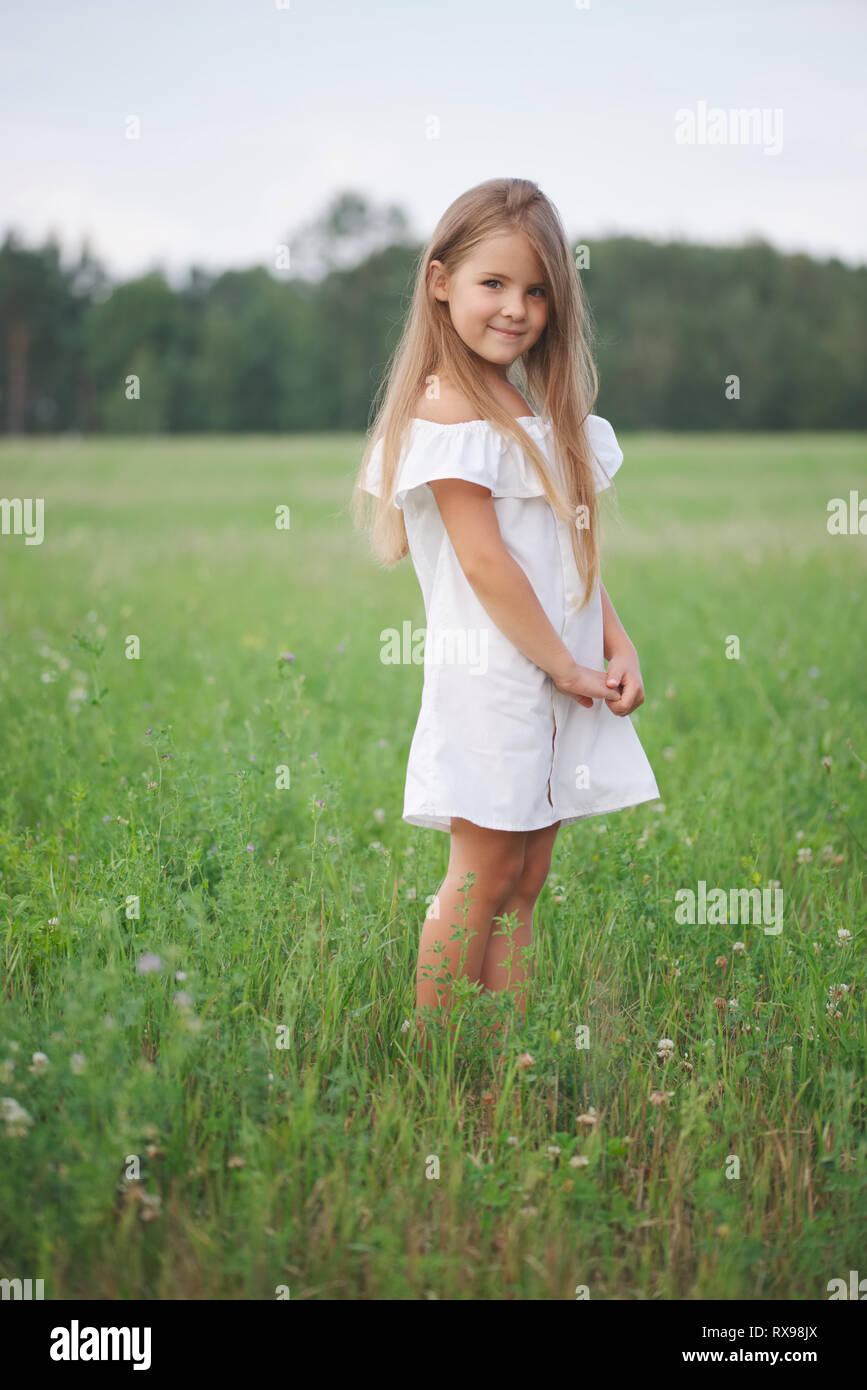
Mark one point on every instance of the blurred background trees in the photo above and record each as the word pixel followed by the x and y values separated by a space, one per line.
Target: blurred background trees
pixel 304 348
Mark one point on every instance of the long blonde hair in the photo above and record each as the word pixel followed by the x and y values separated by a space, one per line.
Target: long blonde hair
pixel 557 374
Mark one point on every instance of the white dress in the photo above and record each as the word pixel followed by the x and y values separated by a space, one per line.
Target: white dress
pixel 495 742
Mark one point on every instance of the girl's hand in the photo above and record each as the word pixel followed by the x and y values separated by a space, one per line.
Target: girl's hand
pixel 623 679
pixel 583 683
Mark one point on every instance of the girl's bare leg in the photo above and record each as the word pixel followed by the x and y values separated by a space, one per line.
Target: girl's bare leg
pixel 455 932
pixel 503 966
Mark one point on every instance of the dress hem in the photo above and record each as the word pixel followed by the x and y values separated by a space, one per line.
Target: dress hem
pixel 442 821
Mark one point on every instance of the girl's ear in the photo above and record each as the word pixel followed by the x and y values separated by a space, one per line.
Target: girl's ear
pixel 436 271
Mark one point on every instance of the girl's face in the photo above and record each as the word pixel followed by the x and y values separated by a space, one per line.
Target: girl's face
pixel 498 298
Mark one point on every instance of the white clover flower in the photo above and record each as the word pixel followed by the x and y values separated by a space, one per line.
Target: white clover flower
pixel 379 815
pixel 578 1161
pixel 148 964
pixel 804 856
pixel 14 1117
pixel 40 1061
pixel 739 947
pixel 151 1203
pixel 77 1063
pixel 843 934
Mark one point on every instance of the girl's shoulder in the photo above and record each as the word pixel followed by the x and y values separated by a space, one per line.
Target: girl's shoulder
pixel 451 407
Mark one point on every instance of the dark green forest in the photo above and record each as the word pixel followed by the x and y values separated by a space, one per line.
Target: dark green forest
pixel 268 350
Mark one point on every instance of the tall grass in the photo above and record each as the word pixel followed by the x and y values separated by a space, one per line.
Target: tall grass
pixel 218 969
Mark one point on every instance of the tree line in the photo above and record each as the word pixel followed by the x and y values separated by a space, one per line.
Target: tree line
pixel 686 336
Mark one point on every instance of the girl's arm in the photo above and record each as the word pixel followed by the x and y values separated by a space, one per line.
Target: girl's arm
pixel 624 672
pixel 503 589
pixel 615 636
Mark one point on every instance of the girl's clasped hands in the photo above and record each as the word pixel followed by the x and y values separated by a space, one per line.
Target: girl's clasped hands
pixel 620 686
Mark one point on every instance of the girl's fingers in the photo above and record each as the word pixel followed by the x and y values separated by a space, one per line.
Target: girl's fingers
pixel 622 703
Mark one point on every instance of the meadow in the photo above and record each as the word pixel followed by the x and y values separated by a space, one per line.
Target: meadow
pixel 208 1088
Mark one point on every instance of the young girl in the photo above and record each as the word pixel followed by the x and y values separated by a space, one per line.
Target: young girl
pixel 520 730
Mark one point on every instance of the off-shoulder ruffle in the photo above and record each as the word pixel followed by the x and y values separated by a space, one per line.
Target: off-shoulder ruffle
pixel 607 453
pixel 478 453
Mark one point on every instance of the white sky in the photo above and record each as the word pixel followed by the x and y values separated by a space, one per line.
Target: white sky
pixel 254 116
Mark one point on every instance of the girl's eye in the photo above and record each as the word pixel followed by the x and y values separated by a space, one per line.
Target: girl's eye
pixel 499 282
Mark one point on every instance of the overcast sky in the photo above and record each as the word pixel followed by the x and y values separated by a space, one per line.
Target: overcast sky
pixel 254 113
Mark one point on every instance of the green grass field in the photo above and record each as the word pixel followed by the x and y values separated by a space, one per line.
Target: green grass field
pixel 249 1116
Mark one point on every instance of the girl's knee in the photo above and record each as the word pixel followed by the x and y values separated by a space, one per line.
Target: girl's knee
pixel 497 876
pixel 537 865
pixel 509 871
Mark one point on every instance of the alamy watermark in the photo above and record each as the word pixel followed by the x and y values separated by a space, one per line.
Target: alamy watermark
pixel 77 1343
pixel 848 520
pixel 23 516
pixel 737 125
pixel 24 1289
pixel 451 646
pixel 738 905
